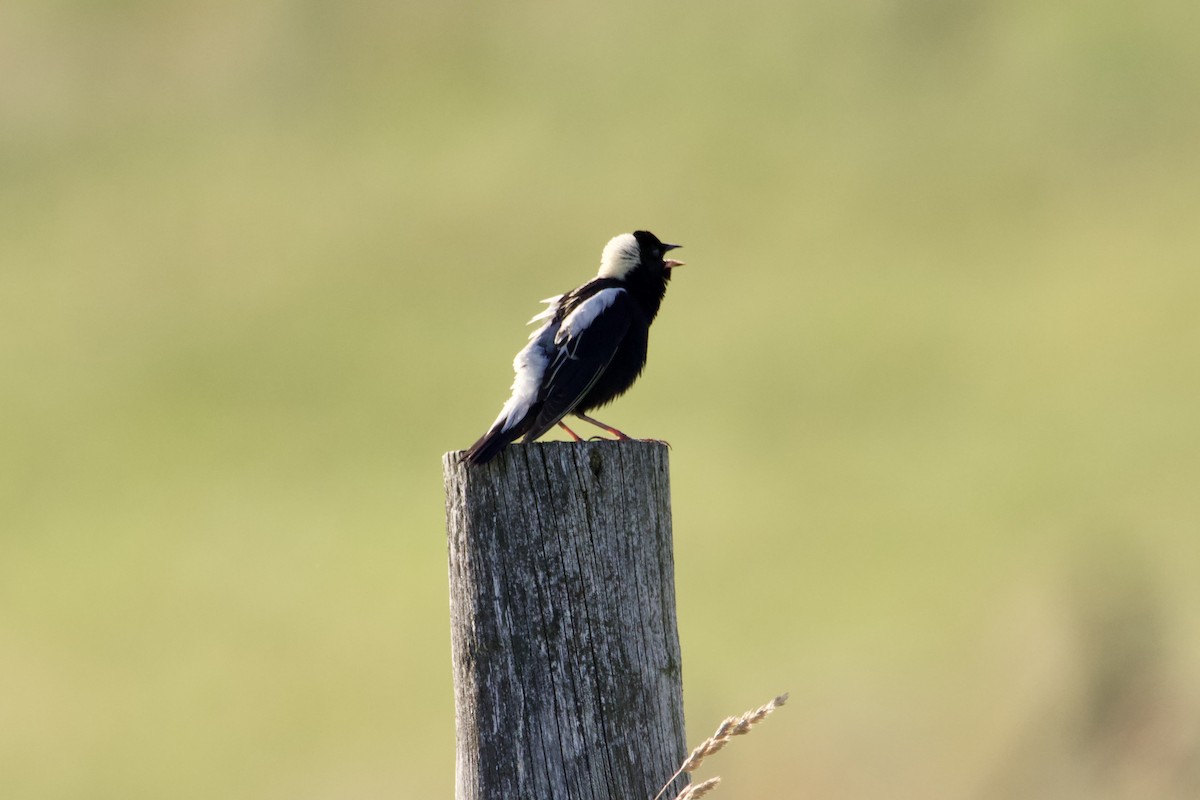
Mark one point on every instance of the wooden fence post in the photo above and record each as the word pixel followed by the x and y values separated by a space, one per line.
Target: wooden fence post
pixel 567 678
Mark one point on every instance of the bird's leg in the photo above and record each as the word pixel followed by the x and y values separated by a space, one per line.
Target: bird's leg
pixel 574 435
pixel 600 424
pixel 617 433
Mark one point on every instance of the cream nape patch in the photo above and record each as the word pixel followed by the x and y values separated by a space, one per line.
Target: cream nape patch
pixel 620 256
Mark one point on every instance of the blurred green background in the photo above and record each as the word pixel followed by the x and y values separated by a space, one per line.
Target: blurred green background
pixel 931 376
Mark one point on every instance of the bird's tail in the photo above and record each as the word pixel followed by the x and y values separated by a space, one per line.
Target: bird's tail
pixel 491 443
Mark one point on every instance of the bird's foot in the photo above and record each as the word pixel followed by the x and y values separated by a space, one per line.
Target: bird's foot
pixel 623 438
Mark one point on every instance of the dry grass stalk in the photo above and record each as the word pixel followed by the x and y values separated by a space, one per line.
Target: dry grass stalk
pixel 694 791
pixel 729 727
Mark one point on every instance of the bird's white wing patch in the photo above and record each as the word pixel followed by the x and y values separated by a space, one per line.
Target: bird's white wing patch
pixel 529 367
pixel 585 314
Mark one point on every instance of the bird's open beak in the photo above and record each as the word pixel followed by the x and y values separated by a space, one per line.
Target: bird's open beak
pixel 670 263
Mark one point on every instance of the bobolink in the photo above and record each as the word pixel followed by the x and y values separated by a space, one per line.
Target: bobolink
pixel 591 348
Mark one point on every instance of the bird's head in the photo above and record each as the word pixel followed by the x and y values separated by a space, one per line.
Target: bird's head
pixel 637 256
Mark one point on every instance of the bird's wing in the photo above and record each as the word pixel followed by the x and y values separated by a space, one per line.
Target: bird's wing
pixel 585 343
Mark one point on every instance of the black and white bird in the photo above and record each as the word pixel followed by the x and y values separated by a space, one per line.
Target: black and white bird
pixel 591 348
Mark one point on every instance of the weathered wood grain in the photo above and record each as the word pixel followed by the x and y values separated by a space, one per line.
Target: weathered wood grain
pixel 567 675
